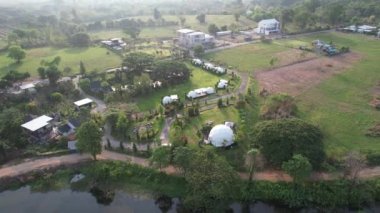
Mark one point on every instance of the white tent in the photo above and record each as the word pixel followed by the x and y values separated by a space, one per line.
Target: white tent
pixel 222 84
pixel 221 136
pixel 220 70
pixel 169 99
pixel 209 66
pixel 197 61
pixel 201 92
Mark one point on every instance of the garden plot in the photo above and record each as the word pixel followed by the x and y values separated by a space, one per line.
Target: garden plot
pixel 297 78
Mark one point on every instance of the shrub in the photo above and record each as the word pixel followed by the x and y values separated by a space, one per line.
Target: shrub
pixel 373 159
pixel 56 97
pixel 279 106
pixel 279 140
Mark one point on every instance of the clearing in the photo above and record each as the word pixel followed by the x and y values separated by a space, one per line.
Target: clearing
pixel 297 78
pixel 94 58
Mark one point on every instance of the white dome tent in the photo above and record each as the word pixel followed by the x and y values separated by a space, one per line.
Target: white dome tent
pixel 221 136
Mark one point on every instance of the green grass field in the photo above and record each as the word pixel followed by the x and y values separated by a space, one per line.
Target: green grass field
pixel 94 58
pixel 339 105
pixel 248 57
pixel 169 32
pixel 199 78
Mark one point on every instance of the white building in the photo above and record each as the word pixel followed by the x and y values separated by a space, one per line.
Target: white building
pixel 268 26
pixel 189 38
pixel 200 92
pixel 221 136
pixel 39 128
pixel 115 43
pixel 170 99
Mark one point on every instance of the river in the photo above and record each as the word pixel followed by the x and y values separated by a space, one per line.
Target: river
pixel 63 201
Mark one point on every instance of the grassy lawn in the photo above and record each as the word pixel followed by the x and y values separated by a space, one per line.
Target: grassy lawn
pixel 199 78
pixel 94 58
pixel 170 31
pixel 340 105
pixel 248 57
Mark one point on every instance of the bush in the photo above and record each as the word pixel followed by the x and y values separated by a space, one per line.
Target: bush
pixel 279 106
pixel 279 140
pixel 56 97
pixel 373 159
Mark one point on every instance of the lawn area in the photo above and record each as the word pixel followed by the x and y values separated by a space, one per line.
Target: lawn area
pixel 199 78
pixel 170 31
pixel 94 58
pixel 248 58
pixel 218 116
pixel 148 32
pixel 339 105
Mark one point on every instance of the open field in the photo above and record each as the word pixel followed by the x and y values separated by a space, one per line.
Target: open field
pixel 199 78
pixel 339 105
pixel 257 56
pixel 297 78
pixel 94 58
pixel 170 31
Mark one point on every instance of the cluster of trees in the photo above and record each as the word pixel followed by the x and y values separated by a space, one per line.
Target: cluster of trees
pixel 313 14
pixel 11 77
pixel 49 69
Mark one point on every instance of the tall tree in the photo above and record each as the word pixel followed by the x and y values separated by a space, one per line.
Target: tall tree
pixel 160 157
pixel 211 181
pixel 201 18
pixel 137 62
pixel 17 53
pixel 80 40
pixel 237 16
pixel 53 74
pixel 82 68
pixel 156 14
pixel 89 138
pixel 213 29
pixel 132 31
pixel 122 126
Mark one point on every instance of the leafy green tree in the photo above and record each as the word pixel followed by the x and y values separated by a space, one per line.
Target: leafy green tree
pixel 89 138
pixel 143 83
pixel 201 18
pixel 298 167
pixel 56 97
pixel 211 181
pixel 171 72
pixel 53 74
pixel 41 72
pixel 132 31
pixel 279 140
pixel 160 157
pixel 10 128
pixel 237 17
pixel 122 126
pixel 213 29
pixel 80 40
pixel 183 156
pixel 17 53
pixel 198 51
pixel 137 62
pixel 82 68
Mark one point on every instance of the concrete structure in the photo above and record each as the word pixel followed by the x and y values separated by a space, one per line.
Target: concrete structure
pixel 189 38
pixel 221 136
pixel 198 93
pixel 268 26
pixel 115 44
pixel 39 128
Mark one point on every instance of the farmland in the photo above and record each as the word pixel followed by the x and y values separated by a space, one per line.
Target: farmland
pixel 339 104
pixel 94 58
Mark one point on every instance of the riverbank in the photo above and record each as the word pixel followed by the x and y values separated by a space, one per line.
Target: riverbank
pixel 109 176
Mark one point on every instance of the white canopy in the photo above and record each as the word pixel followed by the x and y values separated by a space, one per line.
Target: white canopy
pixel 37 123
pixel 220 70
pixel 221 136
pixel 83 102
pixel 222 84
pixel 169 99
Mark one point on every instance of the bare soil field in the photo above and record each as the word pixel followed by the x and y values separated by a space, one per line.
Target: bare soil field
pixel 297 78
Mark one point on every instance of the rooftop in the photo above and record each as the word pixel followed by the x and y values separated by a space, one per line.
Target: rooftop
pixel 83 102
pixel 185 31
pixel 37 123
pixel 27 86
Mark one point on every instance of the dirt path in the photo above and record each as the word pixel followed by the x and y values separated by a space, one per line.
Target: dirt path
pixel 164 137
